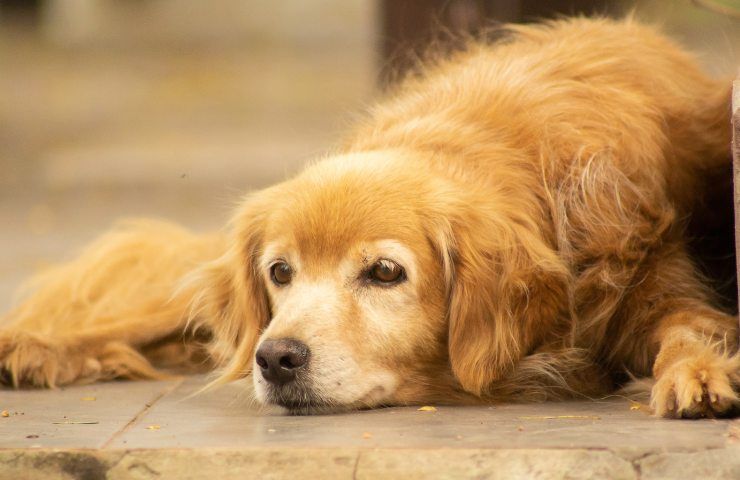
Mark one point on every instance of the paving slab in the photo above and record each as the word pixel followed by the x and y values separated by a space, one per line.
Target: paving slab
pixel 76 417
pixel 173 430
pixel 228 417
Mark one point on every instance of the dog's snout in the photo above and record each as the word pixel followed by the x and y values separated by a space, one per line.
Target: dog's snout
pixel 280 360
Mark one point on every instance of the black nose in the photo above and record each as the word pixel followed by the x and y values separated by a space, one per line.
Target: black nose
pixel 280 360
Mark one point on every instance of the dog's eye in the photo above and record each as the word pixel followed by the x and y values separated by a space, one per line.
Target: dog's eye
pixel 281 273
pixel 386 271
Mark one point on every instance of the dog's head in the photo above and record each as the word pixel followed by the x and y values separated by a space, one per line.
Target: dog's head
pixel 370 280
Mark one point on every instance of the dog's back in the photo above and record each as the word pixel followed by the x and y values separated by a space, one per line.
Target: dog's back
pixel 611 129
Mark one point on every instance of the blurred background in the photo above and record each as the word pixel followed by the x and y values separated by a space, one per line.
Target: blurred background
pixel 174 108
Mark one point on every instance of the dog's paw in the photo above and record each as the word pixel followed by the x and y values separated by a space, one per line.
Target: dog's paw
pixel 702 386
pixel 31 360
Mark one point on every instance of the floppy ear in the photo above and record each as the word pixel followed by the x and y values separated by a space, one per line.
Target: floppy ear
pixel 507 288
pixel 230 298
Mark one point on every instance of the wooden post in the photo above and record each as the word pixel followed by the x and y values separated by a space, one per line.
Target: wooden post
pixel 736 168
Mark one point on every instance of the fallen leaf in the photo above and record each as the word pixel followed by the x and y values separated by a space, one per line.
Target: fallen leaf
pixel 367 435
pixel 88 399
pixel 560 417
pixel 427 408
pixel 32 436
pixel 5 413
pixel 520 428
pixel 640 406
pixel 153 427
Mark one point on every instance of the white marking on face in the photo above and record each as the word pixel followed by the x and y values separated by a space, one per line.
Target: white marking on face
pixel 326 313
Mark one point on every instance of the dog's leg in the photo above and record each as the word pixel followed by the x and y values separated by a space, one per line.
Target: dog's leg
pixel 668 327
pixel 98 353
pixel 92 318
pixel 697 368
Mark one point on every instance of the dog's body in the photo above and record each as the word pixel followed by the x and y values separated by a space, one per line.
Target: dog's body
pixel 509 226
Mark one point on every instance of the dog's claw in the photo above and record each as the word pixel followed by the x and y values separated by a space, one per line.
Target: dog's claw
pixel 695 388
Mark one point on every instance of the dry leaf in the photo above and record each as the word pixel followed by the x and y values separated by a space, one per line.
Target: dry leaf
pixel 5 413
pixel 153 427
pixel 639 406
pixel 427 408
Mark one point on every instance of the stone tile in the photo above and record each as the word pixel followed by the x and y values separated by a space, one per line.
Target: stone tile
pixel 227 417
pixel 355 463
pixel 223 433
pixel 74 417
pixel 221 464
pixel 43 464
pixel 707 465
pixel 228 464
pixel 493 464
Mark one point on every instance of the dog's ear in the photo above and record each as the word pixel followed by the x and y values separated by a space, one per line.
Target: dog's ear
pixel 506 288
pixel 229 295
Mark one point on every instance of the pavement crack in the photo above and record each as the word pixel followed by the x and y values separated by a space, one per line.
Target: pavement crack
pixel 357 463
pixel 637 467
pixel 140 414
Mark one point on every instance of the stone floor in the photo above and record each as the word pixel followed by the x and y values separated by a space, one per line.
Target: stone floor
pixel 167 430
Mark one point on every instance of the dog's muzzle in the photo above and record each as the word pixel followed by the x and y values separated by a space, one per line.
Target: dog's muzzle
pixel 284 365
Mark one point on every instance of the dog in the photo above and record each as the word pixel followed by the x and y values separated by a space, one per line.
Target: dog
pixel 508 225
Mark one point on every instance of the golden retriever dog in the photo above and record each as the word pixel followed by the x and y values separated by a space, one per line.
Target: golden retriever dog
pixel 509 225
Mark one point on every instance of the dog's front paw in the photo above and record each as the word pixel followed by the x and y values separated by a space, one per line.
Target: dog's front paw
pixel 698 387
pixel 32 360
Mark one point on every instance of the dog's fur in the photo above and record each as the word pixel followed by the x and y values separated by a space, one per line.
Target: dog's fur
pixel 535 193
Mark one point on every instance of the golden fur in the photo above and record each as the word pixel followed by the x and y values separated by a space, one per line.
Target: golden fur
pixel 535 190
